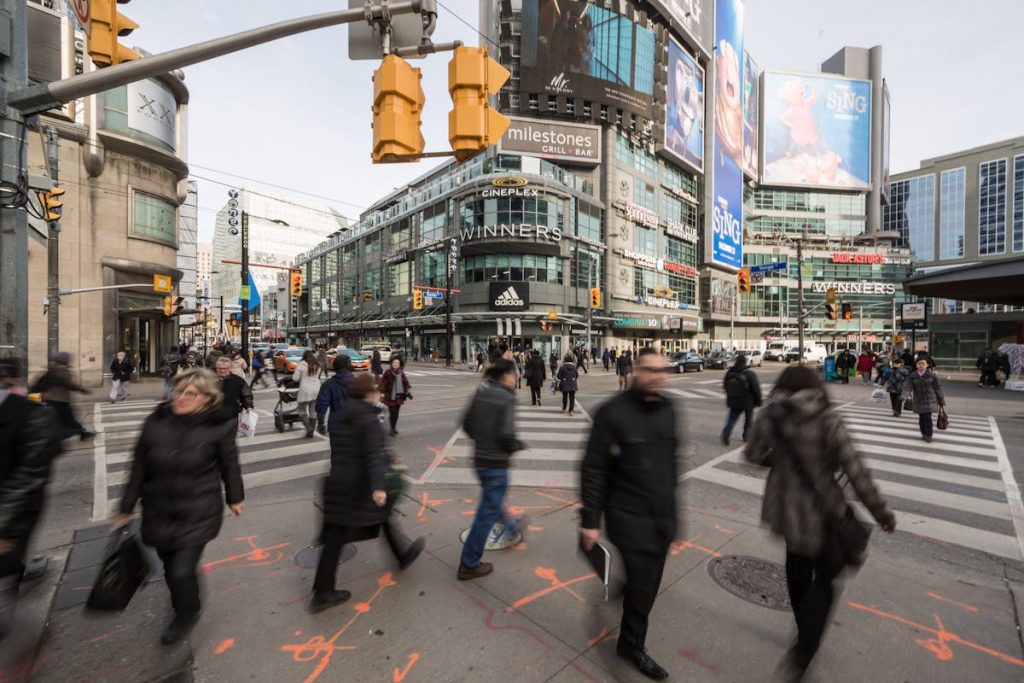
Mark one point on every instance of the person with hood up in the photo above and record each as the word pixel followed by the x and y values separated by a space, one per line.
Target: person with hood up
pixel 535 376
pixel 568 378
pixel 804 442
pixel 742 395
pixel 239 365
pixel 922 385
pixel 395 390
pixel 334 394
pixel 894 385
pixel 184 453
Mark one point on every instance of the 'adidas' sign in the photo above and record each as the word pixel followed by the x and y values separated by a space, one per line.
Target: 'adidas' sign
pixel 509 298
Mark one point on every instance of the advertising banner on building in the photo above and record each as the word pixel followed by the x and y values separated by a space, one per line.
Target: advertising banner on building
pixel 726 170
pixel 693 17
pixel 152 110
pixel 576 49
pixel 751 109
pixel 552 140
pixel 684 108
pixel 509 296
pixel 817 131
pixel 886 137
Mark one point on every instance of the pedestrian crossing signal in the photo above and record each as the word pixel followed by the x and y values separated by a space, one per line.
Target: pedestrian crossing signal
pixel 830 312
pixel 417 299
pixel 847 312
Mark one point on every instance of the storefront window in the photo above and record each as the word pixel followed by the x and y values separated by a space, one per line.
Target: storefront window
pixel 331 264
pixel 371 283
pixel 645 240
pixel 400 233
pixel 586 268
pixel 681 252
pixel 348 257
pixel 316 267
pixel 350 289
pixel 685 289
pixel 433 221
pixel 644 281
pixel 154 218
pixel 588 222
pixel 644 194
pixel 515 267
pixel 372 244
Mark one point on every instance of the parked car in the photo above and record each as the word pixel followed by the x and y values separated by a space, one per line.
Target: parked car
pixel 685 361
pixel 385 351
pixel 721 360
pixel 775 351
pixel 285 360
pixel 754 358
pixel 359 361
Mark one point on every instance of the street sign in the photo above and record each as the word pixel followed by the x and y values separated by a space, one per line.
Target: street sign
pixel 552 314
pixel 244 292
pixel 162 283
pixel 769 267
pixel 364 41
pixel 84 13
pixel 434 296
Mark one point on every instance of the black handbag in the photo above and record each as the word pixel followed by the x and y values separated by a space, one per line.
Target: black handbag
pixel 124 570
pixel 908 404
pixel 943 420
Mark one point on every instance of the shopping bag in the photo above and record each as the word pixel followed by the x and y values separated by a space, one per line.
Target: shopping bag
pixel 943 420
pixel 878 395
pixel 908 404
pixel 247 423
pixel 124 570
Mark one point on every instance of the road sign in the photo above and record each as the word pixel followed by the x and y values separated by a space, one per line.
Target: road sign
pixel 769 267
pixel 364 40
pixel 244 292
pixel 83 11
pixel 162 283
pixel 552 314
pixel 436 296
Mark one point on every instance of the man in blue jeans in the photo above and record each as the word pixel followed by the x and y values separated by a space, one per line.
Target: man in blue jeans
pixel 490 420
pixel 742 395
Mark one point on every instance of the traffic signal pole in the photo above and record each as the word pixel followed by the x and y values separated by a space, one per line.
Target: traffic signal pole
pixel 245 286
pixel 53 251
pixel 800 298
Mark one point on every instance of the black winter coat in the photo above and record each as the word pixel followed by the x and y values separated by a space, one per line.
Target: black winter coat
pixel 536 372
pixel 753 396
pixel 180 462
pixel 359 462
pixel 237 397
pixel 121 371
pixel 630 470
pixel 567 377
pixel 28 445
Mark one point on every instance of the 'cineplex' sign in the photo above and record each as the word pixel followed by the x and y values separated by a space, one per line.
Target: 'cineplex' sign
pixel 854 287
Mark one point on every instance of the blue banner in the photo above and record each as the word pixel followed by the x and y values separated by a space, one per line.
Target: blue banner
pixel 727 171
pixel 254 294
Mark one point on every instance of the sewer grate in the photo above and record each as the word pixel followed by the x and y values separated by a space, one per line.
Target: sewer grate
pixel 308 558
pixel 753 579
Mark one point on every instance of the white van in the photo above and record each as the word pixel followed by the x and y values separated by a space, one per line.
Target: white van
pixel 776 351
pixel 813 353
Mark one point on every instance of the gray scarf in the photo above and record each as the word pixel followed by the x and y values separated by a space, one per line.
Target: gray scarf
pixel 396 383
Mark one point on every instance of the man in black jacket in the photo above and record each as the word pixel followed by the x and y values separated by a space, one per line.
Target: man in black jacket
pixel 742 395
pixel 237 394
pixel 629 476
pixel 27 448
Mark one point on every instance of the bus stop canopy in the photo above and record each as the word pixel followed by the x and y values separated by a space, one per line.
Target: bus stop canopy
pixel 991 282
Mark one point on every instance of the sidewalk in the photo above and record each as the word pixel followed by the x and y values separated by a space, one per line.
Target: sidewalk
pixel 539 617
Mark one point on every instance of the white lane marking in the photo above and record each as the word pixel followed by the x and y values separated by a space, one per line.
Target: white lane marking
pixel 100 505
pixel 933 474
pixel 868 430
pixel 1013 496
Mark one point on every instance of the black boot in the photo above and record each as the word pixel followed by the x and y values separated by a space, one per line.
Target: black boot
pixel 411 553
pixel 322 601
pixel 179 628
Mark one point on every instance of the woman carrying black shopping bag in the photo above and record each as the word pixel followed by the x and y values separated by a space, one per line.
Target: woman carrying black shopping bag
pixel 356 501
pixel 183 454
pixel 804 442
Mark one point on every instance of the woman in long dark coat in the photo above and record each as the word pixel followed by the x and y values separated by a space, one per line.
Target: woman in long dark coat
pixel 356 500
pixel 183 454
pixel 535 376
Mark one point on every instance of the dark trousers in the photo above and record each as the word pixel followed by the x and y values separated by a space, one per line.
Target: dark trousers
pixel 734 417
pixel 988 378
pixel 811 592
pixel 643 578
pixel 606 365
pixel 393 416
pixel 12 568
pixel 897 404
pixel 334 537
pixel 66 417
pixel 534 394
pixel 924 421
pixel 569 400
pixel 844 375
pixel 257 375
pixel 180 567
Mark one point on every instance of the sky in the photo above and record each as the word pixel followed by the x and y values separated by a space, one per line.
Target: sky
pixel 296 113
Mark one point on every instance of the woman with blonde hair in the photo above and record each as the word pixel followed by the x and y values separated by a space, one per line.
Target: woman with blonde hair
pixel 307 376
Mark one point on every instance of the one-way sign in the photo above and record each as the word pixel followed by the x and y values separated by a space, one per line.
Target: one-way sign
pixel 769 267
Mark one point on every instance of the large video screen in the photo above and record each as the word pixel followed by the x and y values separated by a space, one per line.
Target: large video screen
pixel 684 107
pixel 694 16
pixel 751 108
pixel 817 131
pixel 576 49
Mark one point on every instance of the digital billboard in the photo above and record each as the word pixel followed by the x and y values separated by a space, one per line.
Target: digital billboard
pixel 751 107
pixel 694 17
pixel 727 171
pixel 684 107
pixel 817 131
pixel 576 49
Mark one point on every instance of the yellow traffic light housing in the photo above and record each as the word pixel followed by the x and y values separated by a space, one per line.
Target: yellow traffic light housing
pixel 830 295
pixel 168 306
pixel 417 299
pixel 397 105
pixel 831 311
pixel 595 297
pixel 743 280
pixel 473 125
pixel 107 24
pixel 295 288
pixel 51 203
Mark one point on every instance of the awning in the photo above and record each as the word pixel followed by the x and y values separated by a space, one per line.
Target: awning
pixel 991 282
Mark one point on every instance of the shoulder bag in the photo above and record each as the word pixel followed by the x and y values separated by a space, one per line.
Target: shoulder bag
pixel 942 422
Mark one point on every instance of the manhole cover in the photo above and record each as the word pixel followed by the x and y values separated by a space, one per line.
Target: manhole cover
pixel 307 558
pixel 495 540
pixel 753 579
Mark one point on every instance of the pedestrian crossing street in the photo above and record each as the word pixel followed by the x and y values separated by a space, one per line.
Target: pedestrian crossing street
pixel 959 489
pixel 267 458
pixel 555 443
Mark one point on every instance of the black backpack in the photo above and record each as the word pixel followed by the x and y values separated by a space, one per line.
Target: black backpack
pixel 737 386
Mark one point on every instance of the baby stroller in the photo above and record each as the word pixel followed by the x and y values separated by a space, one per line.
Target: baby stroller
pixel 286 412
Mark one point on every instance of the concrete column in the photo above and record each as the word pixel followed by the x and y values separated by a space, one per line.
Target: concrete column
pixel 874 198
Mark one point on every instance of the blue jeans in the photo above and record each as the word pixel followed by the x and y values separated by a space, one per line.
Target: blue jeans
pixel 493 484
pixel 734 416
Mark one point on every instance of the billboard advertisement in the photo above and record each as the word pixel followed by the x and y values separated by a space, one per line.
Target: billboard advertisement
pixel 684 108
pixel 693 17
pixel 817 131
pixel 886 137
pixel 575 49
pixel 727 169
pixel 552 140
pixel 751 107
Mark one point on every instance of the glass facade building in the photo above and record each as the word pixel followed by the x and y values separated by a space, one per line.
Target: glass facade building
pixel 952 203
pixel 992 207
pixel 911 213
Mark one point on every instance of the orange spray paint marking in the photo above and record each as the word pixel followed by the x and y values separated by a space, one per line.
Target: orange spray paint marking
pixel 534 527
pixel 324 648
pixel 723 529
pixel 961 605
pixel 545 494
pixel 426 502
pixel 680 546
pixel 257 556
pixel 550 575
pixel 400 674
pixel 440 458
pixel 224 646
pixel 938 645
pixel 599 637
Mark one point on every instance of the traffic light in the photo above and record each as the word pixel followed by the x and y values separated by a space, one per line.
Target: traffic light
pixel 847 312
pixel 397 104
pixel 743 280
pixel 296 283
pixel 830 295
pixel 595 297
pixel 417 299
pixel 107 25
pixel 51 203
pixel 473 125
pixel 830 312
pixel 168 306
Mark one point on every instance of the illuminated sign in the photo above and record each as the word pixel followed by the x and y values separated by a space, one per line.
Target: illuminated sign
pixel 656 263
pixel 510 192
pixel 677 268
pixel 510 181
pixel 872 259
pixel 855 287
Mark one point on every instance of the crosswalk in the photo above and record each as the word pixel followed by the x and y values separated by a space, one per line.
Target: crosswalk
pixel 705 389
pixel 267 458
pixel 555 447
pixel 959 489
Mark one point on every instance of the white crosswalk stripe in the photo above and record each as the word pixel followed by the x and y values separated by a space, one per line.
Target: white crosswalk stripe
pixel 704 393
pixel 555 447
pixel 959 489
pixel 267 458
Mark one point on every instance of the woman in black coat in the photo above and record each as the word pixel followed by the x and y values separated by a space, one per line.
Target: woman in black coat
pixel 356 502
pixel 535 376
pixel 183 454
pixel 567 383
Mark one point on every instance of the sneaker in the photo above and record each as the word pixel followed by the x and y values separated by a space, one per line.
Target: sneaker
pixel 394 432
pixel 468 573
pixel 322 601
pixel 178 629
pixel 413 551
pixel 725 440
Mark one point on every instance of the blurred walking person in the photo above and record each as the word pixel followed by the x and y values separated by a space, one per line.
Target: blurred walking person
pixel 307 375
pixel 236 395
pixel 259 367
pixel 334 394
pixel 865 364
pixel 357 504
pixel 894 385
pixel 804 442
pixel 321 359
pixel 988 364
pixel 239 365
pixel 56 386
pixel 169 368
pixel 629 477
pixel 535 376
pixel 375 364
pixel 553 362
pixel 395 390
pixel 844 363
pixel 624 369
pixel 490 421
pixel 568 378
pixel 742 395
pixel 922 386
pixel 121 370
pixel 183 454
pixel 606 359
